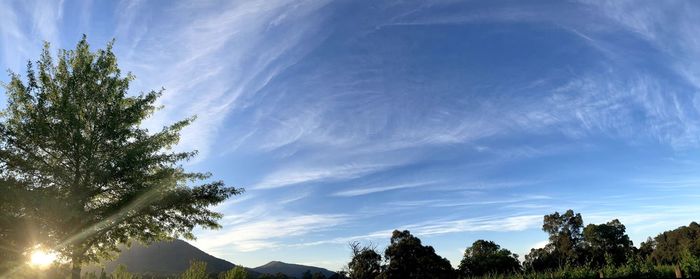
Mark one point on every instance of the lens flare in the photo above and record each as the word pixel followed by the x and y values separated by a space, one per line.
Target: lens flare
pixel 41 258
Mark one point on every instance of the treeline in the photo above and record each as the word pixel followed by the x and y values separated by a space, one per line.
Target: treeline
pixel 573 251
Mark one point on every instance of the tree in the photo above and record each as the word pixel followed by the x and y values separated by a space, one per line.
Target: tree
pixel 237 272
pixel 540 259
pixel 318 275
pixel 408 258
pixel 71 136
pixel 306 275
pixel 121 273
pixel 487 258
pixel 14 223
pixel 646 248
pixel 606 240
pixel 564 236
pixel 197 270
pixel 669 246
pixel 365 262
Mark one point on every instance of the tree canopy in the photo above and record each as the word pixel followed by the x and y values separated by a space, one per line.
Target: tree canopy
pixel 365 262
pixel 669 246
pixel 407 258
pixel 564 235
pixel 606 243
pixel 71 139
pixel 486 257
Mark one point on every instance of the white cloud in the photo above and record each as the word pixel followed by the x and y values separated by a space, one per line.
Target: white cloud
pixel 208 57
pixel 295 176
pixel 264 230
pixel 371 190
pixel 439 227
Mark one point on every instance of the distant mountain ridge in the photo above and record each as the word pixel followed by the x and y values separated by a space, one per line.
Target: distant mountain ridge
pixel 164 258
pixel 291 270
pixel 169 258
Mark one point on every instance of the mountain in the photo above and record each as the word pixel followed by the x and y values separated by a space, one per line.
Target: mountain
pixel 163 258
pixel 291 270
pixel 168 258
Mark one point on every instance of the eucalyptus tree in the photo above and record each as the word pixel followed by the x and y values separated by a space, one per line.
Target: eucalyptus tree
pixel 366 263
pixel 407 257
pixel 71 133
pixel 487 258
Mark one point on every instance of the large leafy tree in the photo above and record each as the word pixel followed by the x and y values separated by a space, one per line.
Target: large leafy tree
pixel 365 262
pixel 670 247
pixel 565 236
pixel 565 243
pixel 16 228
pixel 71 136
pixel 408 258
pixel 607 242
pixel 487 258
pixel 540 259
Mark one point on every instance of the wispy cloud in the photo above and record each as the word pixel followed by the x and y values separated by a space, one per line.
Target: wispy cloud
pixel 439 227
pixel 291 176
pixel 371 190
pixel 263 231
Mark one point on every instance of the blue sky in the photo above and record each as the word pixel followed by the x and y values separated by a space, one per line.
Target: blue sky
pixel 457 120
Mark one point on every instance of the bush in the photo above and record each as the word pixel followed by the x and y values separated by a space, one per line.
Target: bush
pixel 197 270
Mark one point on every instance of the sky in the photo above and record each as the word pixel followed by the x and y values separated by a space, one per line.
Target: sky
pixel 456 120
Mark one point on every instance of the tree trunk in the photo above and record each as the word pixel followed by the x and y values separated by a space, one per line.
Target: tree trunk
pixel 678 271
pixel 75 271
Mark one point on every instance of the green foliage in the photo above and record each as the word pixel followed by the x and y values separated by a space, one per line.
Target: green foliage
pixel 408 258
pixel 197 270
pixel 121 273
pixel 486 257
pixel 74 155
pixel 689 264
pixel 365 262
pixel 235 273
pixel 564 236
pixel 306 275
pixel 669 247
pixel 318 275
pixel 606 243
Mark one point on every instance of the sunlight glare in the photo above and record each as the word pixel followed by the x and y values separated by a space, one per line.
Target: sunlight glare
pixel 41 258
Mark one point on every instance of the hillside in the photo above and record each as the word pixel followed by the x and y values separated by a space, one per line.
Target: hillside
pixel 291 270
pixel 164 258
pixel 168 258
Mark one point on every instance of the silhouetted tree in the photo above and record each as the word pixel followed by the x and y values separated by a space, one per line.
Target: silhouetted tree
pixel 564 247
pixel 306 275
pixel 365 262
pixel 540 259
pixel 606 240
pixel 564 236
pixel 318 275
pixel 646 248
pixel 669 246
pixel 486 257
pixel 407 258
pixel 72 135
pixel 17 229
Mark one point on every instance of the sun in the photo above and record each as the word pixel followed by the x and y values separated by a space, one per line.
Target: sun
pixel 41 258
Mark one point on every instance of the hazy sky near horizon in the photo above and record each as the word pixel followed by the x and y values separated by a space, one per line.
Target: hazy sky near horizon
pixel 456 120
